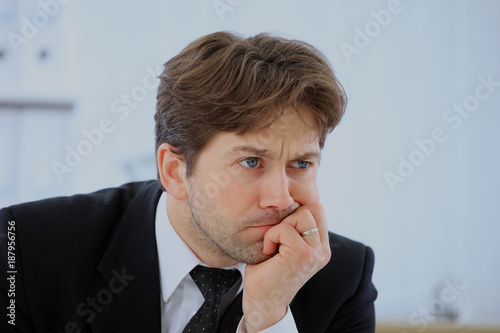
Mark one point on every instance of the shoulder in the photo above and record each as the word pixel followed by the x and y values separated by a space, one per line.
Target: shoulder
pixel 342 292
pixel 76 207
pixel 350 262
pixel 349 254
pixel 74 221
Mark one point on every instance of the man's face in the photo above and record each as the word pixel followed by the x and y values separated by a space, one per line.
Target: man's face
pixel 245 184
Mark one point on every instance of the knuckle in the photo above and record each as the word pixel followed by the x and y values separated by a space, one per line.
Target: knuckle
pixel 306 214
pixel 308 252
pixel 308 258
pixel 317 207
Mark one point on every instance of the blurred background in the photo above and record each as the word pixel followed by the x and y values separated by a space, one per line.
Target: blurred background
pixel 412 170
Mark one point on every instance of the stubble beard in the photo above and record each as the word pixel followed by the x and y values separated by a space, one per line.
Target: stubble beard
pixel 217 234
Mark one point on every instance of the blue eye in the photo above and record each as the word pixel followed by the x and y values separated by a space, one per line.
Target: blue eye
pixel 251 162
pixel 301 164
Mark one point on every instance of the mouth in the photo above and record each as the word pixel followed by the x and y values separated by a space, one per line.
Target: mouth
pixel 271 221
pixel 262 228
pixel 264 225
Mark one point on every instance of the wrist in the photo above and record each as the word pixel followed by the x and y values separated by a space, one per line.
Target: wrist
pixel 260 315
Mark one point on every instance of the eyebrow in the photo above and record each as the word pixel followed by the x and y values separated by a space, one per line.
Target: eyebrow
pixel 308 155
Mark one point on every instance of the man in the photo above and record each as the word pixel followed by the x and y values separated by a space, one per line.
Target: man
pixel 240 125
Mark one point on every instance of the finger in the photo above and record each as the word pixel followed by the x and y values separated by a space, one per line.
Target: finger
pixel 304 222
pixel 323 252
pixel 319 216
pixel 309 232
pixel 283 234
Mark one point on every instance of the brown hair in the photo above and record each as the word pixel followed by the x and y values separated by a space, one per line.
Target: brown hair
pixel 225 82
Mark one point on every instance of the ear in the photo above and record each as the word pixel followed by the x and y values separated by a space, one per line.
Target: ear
pixel 172 171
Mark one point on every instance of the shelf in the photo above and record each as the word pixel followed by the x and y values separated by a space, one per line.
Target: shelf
pixel 442 328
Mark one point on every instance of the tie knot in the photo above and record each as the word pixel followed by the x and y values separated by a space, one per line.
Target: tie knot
pixel 214 282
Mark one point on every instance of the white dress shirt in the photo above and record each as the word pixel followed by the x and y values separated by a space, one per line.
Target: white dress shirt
pixel 180 296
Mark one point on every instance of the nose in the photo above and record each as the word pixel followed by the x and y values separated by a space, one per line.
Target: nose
pixel 275 192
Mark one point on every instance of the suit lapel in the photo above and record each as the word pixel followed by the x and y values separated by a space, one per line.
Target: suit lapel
pixel 231 318
pixel 130 270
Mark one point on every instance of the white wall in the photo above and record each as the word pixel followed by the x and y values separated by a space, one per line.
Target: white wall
pixel 440 224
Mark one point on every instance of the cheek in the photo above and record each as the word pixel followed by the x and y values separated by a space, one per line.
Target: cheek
pixel 305 195
pixel 305 191
pixel 236 198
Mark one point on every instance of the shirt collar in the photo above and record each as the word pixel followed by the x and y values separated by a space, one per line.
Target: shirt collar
pixel 175 258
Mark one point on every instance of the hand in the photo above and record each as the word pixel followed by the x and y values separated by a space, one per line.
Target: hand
pixel 270 286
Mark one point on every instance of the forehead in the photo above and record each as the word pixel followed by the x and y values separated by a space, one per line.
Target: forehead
pixel 296 126
pixel 291 132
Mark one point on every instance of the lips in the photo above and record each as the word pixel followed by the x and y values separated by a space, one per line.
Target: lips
pixel 263 228
pixel 269 221
pixel 265 223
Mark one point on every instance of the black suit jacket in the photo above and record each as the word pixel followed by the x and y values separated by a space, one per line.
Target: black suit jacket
pixel 89 263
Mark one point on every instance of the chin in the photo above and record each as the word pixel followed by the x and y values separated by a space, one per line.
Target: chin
pixel 258 259
pixel 250 254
